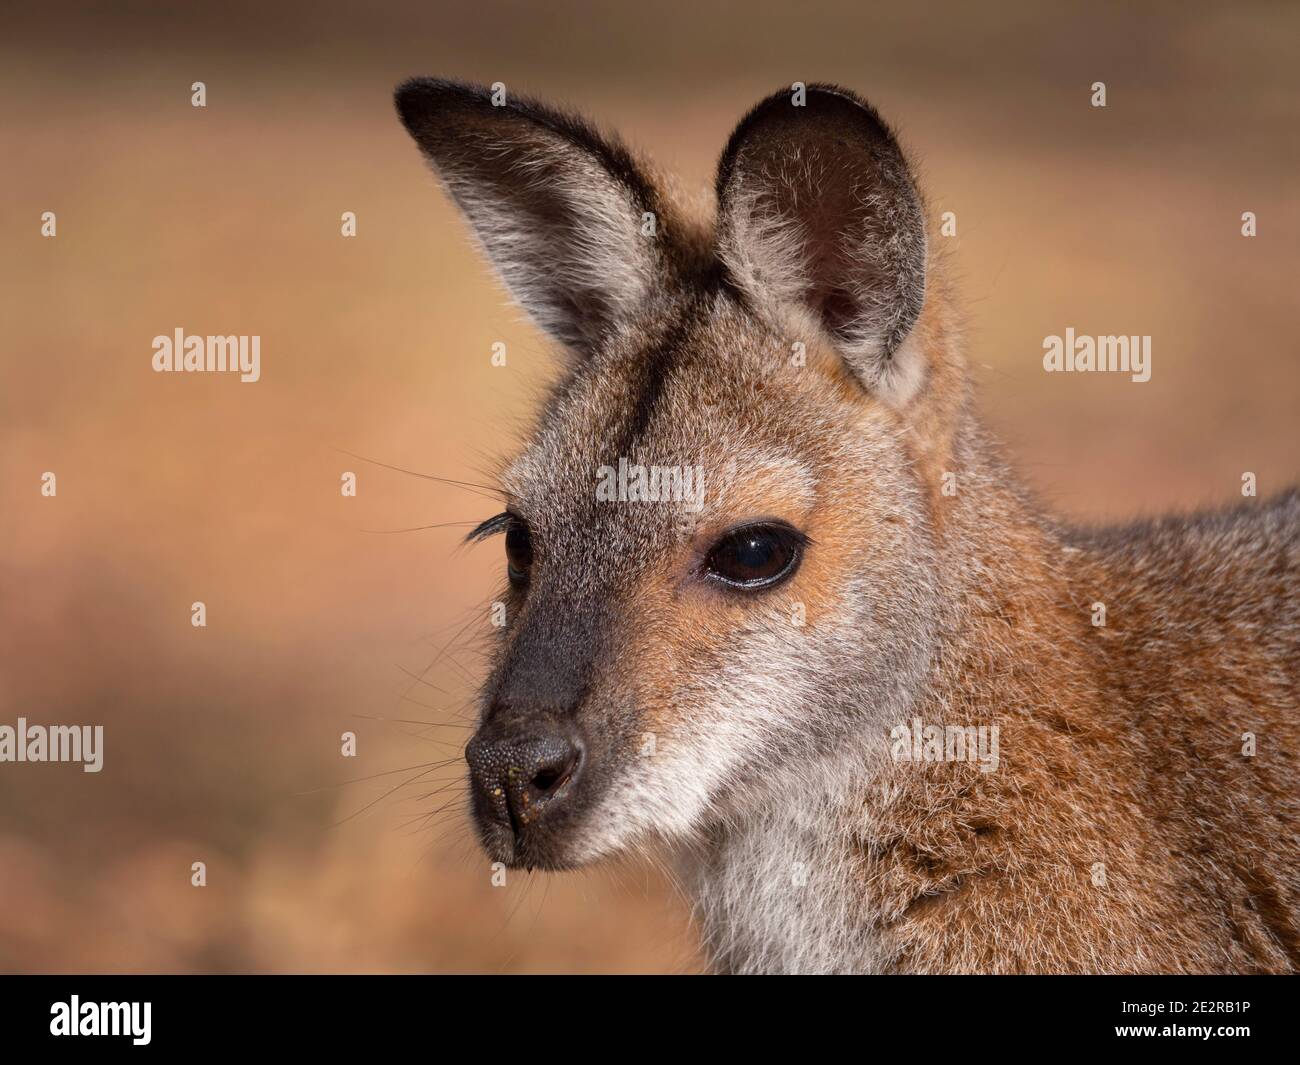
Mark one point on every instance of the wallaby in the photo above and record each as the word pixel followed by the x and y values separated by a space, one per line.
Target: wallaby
pixel 777 609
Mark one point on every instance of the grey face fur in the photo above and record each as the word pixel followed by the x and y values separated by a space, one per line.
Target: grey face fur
pixel 631 696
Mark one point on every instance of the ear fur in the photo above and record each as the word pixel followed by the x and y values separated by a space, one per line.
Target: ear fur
pixel 818 213
pixel 558 209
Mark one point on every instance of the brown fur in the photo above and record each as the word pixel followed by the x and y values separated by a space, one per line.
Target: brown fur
pixel 1122 745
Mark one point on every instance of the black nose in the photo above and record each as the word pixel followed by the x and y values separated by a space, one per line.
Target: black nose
pixel 519 777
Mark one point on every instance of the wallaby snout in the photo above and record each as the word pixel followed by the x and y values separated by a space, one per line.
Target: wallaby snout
pixel 521 773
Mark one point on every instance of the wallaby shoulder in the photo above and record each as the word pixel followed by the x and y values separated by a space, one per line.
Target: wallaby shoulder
pixel 1146 813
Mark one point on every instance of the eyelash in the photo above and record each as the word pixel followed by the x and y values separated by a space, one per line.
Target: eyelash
pixel 496 524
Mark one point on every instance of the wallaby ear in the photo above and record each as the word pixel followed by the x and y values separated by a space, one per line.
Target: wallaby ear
pixel 817 210
pixel 559 210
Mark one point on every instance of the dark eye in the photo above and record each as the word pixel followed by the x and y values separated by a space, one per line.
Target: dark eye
pixel 519 552
pixel 755 556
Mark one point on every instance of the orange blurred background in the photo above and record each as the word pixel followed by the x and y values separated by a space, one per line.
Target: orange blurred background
pixel 223 743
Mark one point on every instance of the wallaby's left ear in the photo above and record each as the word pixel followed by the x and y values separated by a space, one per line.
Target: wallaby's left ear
pixel 818 210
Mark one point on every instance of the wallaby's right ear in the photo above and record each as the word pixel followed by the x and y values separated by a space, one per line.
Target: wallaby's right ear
pixel 560 210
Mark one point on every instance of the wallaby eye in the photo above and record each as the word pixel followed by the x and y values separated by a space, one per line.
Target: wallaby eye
pixel 519 551
pixel 755 556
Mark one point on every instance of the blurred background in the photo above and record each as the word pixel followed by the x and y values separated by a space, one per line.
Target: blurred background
pixel 223 743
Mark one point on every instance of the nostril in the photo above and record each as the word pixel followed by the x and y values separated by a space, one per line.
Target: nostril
pixel 550 778
pixel 546 778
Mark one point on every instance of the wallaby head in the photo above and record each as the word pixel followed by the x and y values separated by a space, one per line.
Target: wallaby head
pixel 719 535
pixel 746 596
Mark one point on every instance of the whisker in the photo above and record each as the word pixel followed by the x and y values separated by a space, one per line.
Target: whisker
pixel 429 706
pixel 413 721
pixel 421 680
pixel 482 489
pixel 454 781
pixel 427 766
pixel 390 791
pixel 417 528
